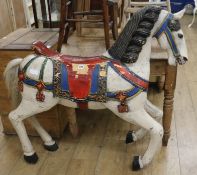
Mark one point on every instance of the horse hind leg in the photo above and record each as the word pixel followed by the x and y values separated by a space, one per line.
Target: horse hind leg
pixel 49 143
pixel 154 112
pixel 24 110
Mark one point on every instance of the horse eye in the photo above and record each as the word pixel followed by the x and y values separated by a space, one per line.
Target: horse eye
pixel 180 35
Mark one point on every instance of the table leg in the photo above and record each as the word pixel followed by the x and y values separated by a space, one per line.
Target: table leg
pixel 170 83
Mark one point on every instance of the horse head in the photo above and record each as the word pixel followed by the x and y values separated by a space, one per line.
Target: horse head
pixel 170 36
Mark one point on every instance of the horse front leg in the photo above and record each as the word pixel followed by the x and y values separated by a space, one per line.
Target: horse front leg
pixel 26 109
pixel 154 112
pixel 141 118
pixel 144 120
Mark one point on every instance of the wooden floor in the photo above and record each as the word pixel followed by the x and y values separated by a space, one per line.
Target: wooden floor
pixel 100 149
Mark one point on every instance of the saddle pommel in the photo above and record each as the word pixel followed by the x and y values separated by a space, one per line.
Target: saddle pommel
pixel 40 49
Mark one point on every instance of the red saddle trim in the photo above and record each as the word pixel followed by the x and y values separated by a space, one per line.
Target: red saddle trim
pixel 41 49
pixel 130 76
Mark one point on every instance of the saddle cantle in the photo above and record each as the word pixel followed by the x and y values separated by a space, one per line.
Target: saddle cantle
pixel 83 79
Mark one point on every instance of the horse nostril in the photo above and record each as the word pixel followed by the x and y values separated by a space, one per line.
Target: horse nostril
pixel 180 35
pixel 185 59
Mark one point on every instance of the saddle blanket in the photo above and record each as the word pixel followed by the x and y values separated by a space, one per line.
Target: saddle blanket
pixel 80 80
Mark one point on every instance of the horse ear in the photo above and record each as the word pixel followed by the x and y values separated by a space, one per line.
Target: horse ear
pixel 179 14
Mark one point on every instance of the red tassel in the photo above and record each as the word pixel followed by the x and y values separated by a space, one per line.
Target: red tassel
pixel 20 86
pixel 21 78
pixel 40 96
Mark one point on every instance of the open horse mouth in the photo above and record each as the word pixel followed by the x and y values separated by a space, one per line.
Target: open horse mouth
pixel 182 60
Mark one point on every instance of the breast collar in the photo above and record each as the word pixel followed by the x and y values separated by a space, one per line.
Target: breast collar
pixel 164 29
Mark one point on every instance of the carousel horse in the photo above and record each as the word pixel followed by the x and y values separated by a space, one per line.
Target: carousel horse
pixel 116 80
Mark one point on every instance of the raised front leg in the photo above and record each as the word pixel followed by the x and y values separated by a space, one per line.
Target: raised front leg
pixel 170 83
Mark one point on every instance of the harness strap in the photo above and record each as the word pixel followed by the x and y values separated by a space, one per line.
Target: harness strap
pixel 30 82
pixel 29 62
pixel 139 84
pixel 40 85
pixel 165 29
pixel 130 93
pixel 128 75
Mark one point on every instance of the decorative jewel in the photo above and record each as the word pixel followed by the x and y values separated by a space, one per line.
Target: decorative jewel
pixel 40 86
pixel 20 86
pixel 123 107
pixel 21 78
pixel 40 96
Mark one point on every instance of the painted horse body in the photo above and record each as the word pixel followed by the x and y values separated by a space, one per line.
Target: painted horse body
pixel 49 78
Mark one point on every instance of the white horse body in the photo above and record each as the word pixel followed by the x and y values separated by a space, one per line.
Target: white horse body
pixel 139 108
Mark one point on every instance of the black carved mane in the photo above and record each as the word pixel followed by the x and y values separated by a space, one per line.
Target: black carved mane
pixel 133 37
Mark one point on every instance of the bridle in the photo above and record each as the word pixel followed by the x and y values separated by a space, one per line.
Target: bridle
pixel 164 29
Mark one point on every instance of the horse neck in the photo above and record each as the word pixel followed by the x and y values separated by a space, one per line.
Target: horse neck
pixel 142 66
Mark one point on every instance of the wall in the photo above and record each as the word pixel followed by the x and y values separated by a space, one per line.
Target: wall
pixel 11 16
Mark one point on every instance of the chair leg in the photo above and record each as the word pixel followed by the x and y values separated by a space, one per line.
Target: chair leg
pixel 114 19
pixel 63 13
pixel 106 23
pixel 121 14
pixel 66 33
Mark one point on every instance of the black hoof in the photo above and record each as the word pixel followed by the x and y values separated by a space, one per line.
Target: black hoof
pixel 31 159
pixel 53 147
pixel 136 163
pixel 129 137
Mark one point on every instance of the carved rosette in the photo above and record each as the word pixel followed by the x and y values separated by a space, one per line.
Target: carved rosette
pixel 21 78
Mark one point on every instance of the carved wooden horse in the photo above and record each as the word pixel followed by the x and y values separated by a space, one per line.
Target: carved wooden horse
pixel 117 80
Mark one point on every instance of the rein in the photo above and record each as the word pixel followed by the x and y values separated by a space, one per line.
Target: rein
pixel 164 29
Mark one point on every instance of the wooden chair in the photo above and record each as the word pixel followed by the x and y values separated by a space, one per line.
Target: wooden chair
pixel 19 44
pixel 134 5
pixel 70 17
pixel 131 6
